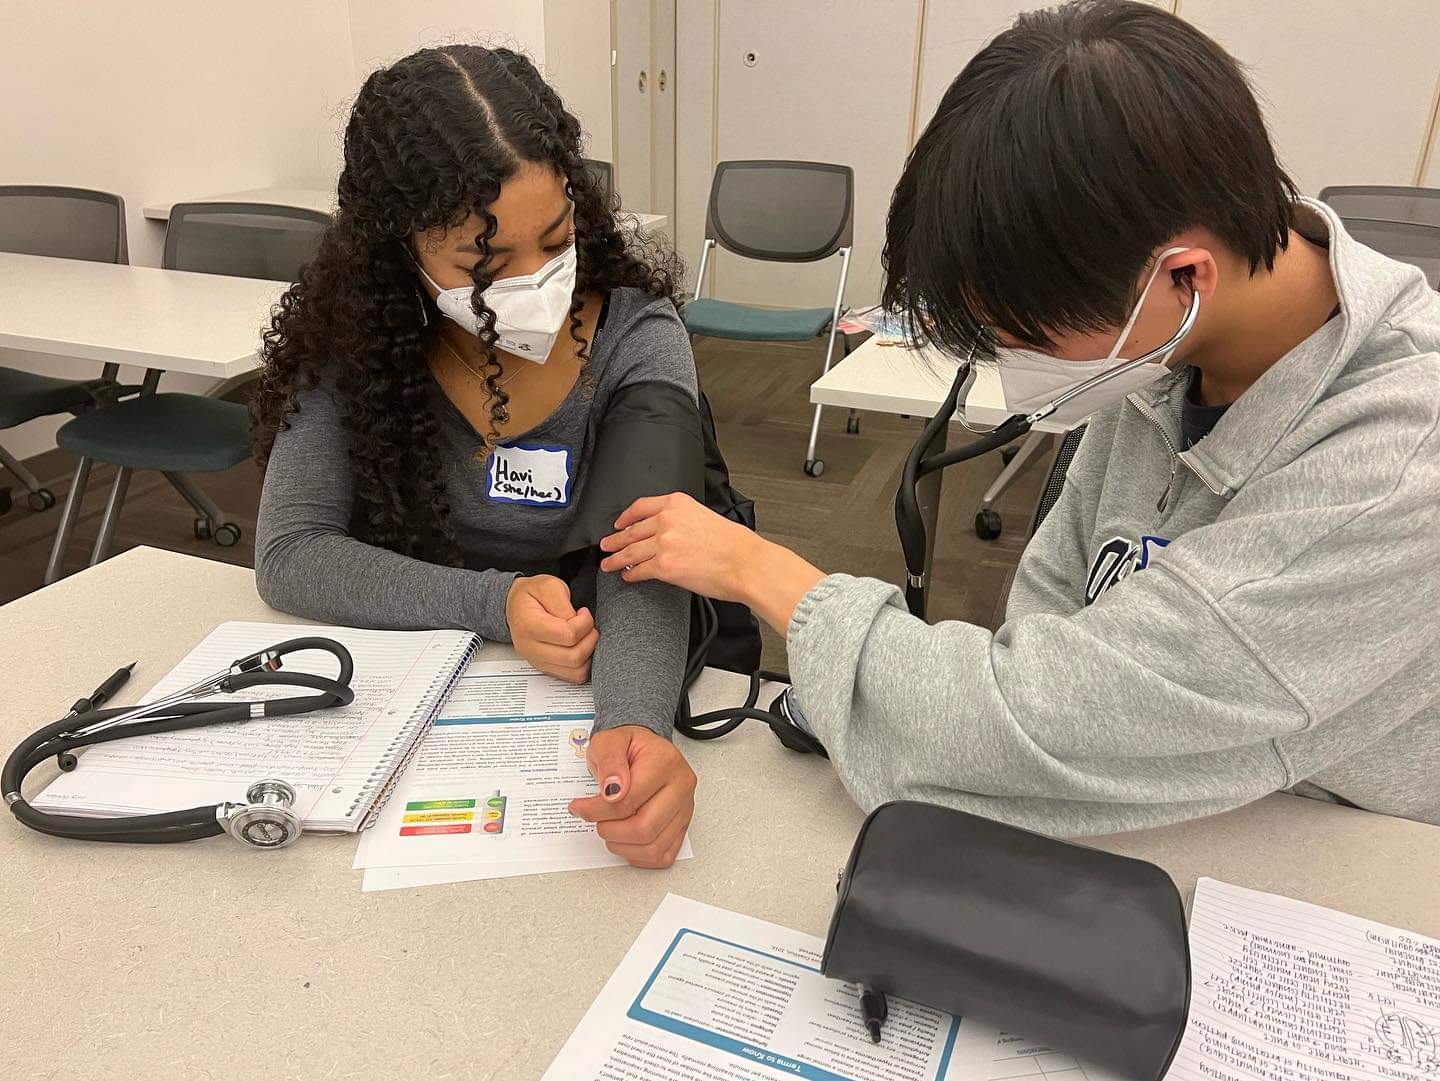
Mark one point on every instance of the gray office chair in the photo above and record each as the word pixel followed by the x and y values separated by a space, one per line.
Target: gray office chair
pixel 243 240
pixel 180 434
pixel 1401 222
pixel 784 212
pixel 65 223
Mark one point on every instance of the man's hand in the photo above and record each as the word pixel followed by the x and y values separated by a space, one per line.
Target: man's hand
pixel 647 795
pixel 547 630
pixel 677 540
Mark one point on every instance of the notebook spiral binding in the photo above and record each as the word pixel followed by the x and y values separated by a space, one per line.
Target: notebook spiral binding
pixel 433 706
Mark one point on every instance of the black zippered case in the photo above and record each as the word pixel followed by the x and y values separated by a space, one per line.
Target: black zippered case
pixel 1082 949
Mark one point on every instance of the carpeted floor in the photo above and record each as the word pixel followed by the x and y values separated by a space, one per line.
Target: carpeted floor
pixel 841 521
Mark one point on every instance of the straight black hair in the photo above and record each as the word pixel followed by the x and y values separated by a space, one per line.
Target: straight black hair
pixel 1062 156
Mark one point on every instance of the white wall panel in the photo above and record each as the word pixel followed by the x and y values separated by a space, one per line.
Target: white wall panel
pixel 832 81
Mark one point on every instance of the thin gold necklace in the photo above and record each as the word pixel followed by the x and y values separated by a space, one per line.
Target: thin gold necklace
pixel 471 368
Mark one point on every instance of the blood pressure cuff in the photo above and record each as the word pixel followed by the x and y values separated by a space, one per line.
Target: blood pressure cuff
pixel 648 443
pixel 1081 949
pixel 654 439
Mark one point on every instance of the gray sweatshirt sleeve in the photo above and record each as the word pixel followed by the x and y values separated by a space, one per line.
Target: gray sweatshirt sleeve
pixel 1254 652
pixel 307 563
pixel 639 661
pixel 1051 577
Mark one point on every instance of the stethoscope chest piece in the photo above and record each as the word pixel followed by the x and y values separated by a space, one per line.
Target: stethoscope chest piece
pixel 267 820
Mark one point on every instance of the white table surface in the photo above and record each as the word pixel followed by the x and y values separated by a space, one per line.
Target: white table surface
pixel 205 960
pixel 317 199
pixel 202 324
pixel 893 379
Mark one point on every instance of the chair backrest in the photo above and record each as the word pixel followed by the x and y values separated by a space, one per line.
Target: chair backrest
pixel 67 223
pixel 246 240
pixel 1384 202
pixel 1055 479
pixel 603 173
pixel 781 211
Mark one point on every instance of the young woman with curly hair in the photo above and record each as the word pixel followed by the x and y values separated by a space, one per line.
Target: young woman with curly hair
pixel 432 388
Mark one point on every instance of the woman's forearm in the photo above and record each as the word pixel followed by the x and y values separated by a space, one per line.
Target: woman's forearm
pixel 639 661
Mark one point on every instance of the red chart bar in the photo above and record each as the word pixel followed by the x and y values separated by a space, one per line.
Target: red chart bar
pixel 423 831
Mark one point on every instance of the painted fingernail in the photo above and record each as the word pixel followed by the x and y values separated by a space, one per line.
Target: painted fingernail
pixel 612 787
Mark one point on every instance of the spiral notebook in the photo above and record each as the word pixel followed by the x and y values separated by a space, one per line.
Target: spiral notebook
pixel 342 762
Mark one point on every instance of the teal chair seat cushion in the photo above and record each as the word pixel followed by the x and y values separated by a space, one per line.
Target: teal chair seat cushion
pixel 722 319
pixel 26 395
pixel 174 433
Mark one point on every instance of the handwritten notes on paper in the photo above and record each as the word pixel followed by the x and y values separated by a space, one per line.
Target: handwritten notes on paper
pixel 1288 991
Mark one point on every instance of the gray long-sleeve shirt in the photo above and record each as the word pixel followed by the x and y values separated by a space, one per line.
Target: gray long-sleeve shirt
pixel 510 512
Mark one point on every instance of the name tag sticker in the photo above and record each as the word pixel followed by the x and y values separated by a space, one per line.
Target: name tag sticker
pixel 532 475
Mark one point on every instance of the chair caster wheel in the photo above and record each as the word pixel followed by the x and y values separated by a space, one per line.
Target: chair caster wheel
pixel 852 426
pixel 43 499
pixel 1007 455
pixel 227 535
pixel 814 467
pixel 5 501
pixel 987 524
pixel 203 529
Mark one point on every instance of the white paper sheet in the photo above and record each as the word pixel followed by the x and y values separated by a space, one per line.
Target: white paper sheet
pixel 1015 1058
pixel 1282 990
pixel 707 993
pixel 488 793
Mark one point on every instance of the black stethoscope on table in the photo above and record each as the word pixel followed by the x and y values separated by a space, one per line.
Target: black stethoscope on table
pixel 266 821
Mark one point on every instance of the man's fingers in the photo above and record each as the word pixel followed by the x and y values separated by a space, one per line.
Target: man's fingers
pixel 630 534
pixel 641 509
pixel 630 555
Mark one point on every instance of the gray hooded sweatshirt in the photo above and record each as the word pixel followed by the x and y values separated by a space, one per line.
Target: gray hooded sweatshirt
pixel 1189 631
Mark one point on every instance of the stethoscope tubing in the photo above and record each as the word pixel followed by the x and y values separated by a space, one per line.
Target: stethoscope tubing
pixel 92 727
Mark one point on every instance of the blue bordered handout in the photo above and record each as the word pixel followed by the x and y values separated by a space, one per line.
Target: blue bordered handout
pixel 746 994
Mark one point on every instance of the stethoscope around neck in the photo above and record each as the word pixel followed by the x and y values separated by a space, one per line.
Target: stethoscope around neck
pixel 908 521
pixel 266 820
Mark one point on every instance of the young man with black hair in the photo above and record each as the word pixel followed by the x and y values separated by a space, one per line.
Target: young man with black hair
pixel 1239 590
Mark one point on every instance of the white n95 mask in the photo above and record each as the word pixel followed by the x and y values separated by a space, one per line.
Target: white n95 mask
pixel 529 310
pixel 1031 380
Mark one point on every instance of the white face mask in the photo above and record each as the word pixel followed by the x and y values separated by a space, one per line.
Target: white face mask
pixel 1031 380
pixel 529 310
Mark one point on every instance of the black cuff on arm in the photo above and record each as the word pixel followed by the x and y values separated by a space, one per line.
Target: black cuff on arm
pixel 649 443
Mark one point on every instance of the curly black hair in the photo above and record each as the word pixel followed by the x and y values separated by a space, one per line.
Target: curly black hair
pixel 430 140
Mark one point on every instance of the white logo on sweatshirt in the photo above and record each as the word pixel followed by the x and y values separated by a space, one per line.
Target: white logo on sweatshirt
pixel 1118 558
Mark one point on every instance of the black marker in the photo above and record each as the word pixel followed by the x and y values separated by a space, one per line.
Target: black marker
pixel 873 1011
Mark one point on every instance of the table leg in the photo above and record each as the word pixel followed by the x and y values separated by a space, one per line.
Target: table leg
pixel 68 517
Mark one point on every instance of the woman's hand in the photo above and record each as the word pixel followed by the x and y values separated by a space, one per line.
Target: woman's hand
pixel 647 795
pixel 677 540
pixel 546 629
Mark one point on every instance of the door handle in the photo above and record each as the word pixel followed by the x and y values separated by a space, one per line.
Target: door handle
pixel 642 81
